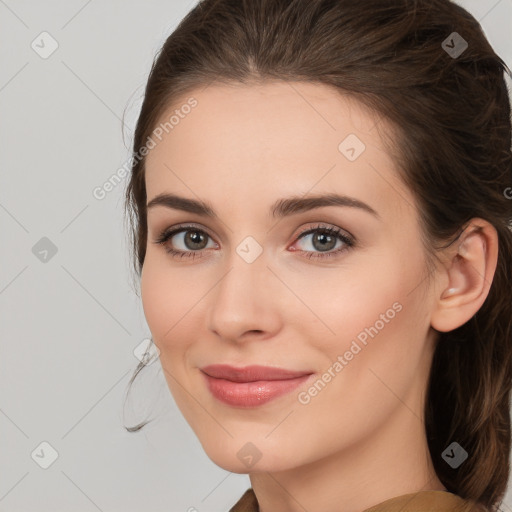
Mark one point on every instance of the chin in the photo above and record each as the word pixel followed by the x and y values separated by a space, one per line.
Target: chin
pixel 248 457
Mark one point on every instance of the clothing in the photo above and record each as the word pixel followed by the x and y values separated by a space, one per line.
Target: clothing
pixel 422 501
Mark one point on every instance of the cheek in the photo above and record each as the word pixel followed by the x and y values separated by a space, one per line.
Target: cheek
pixel 355 297
pixel 166 301
pixel 152 294
pixel 163 297
pixel 381 326
pixel 173 299
pixel 376 310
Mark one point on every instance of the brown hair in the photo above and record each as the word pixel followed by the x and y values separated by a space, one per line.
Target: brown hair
pixel 453 149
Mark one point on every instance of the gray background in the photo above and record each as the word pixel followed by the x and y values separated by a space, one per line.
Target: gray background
pixel 70 324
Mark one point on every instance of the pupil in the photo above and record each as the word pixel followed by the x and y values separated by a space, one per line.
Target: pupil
pixel 195 237
pixel 322 237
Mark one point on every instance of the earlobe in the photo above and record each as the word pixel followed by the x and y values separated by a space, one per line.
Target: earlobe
pixel 470 270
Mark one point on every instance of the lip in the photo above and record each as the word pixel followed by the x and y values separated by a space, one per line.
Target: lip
pixel 252 385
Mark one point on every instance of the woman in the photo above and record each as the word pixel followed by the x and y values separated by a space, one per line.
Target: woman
pixel 320 207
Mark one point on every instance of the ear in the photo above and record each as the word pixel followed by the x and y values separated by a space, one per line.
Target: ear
pixel 467 276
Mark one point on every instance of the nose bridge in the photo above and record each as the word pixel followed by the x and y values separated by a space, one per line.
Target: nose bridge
pixel 245 280
pixel 243 299
pixel 247 264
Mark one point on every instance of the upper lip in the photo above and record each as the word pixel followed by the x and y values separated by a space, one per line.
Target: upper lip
pixel 251 373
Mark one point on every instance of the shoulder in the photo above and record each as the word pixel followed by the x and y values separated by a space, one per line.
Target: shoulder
pixel 428 501
pixel 423 501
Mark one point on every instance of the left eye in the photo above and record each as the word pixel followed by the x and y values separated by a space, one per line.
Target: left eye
pixel 324 239
pixel 192 240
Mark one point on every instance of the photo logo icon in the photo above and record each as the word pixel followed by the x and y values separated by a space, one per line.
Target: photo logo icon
pixel 454 455
pixel 249 249
pixel 44 455
pixel 146 351
pixel 249 454
pixel 454 45
pixel 44 45
pixel 352 147
pixel 44 250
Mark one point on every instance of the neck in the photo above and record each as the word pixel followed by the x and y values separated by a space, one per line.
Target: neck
pixel 388 464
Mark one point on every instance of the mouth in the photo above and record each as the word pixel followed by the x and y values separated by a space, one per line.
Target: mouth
pixel 251 386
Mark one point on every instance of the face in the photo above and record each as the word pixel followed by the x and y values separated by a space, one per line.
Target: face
pixel 333 291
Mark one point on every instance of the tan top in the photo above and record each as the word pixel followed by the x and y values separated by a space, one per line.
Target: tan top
pixel 422 501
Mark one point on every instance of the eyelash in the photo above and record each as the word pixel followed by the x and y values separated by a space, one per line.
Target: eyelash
pixel 330 231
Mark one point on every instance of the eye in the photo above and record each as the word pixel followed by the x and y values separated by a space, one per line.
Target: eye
pixel 191 241
pixel 325 239
pixel 190 238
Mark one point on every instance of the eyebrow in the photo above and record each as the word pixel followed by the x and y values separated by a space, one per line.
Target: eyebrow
pixel 281 208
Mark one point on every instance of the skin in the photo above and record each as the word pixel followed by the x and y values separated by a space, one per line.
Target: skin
pixel 361 439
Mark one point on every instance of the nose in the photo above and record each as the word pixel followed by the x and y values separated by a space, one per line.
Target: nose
pixel 246 302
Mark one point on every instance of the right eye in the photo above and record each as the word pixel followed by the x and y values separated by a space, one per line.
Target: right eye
pixel 191 239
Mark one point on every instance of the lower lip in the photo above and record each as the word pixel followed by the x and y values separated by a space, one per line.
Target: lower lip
pixel 251 394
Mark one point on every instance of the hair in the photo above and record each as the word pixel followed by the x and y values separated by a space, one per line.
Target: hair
pixel 452 148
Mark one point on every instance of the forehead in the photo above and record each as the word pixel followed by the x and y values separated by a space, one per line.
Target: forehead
pixel 272 140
